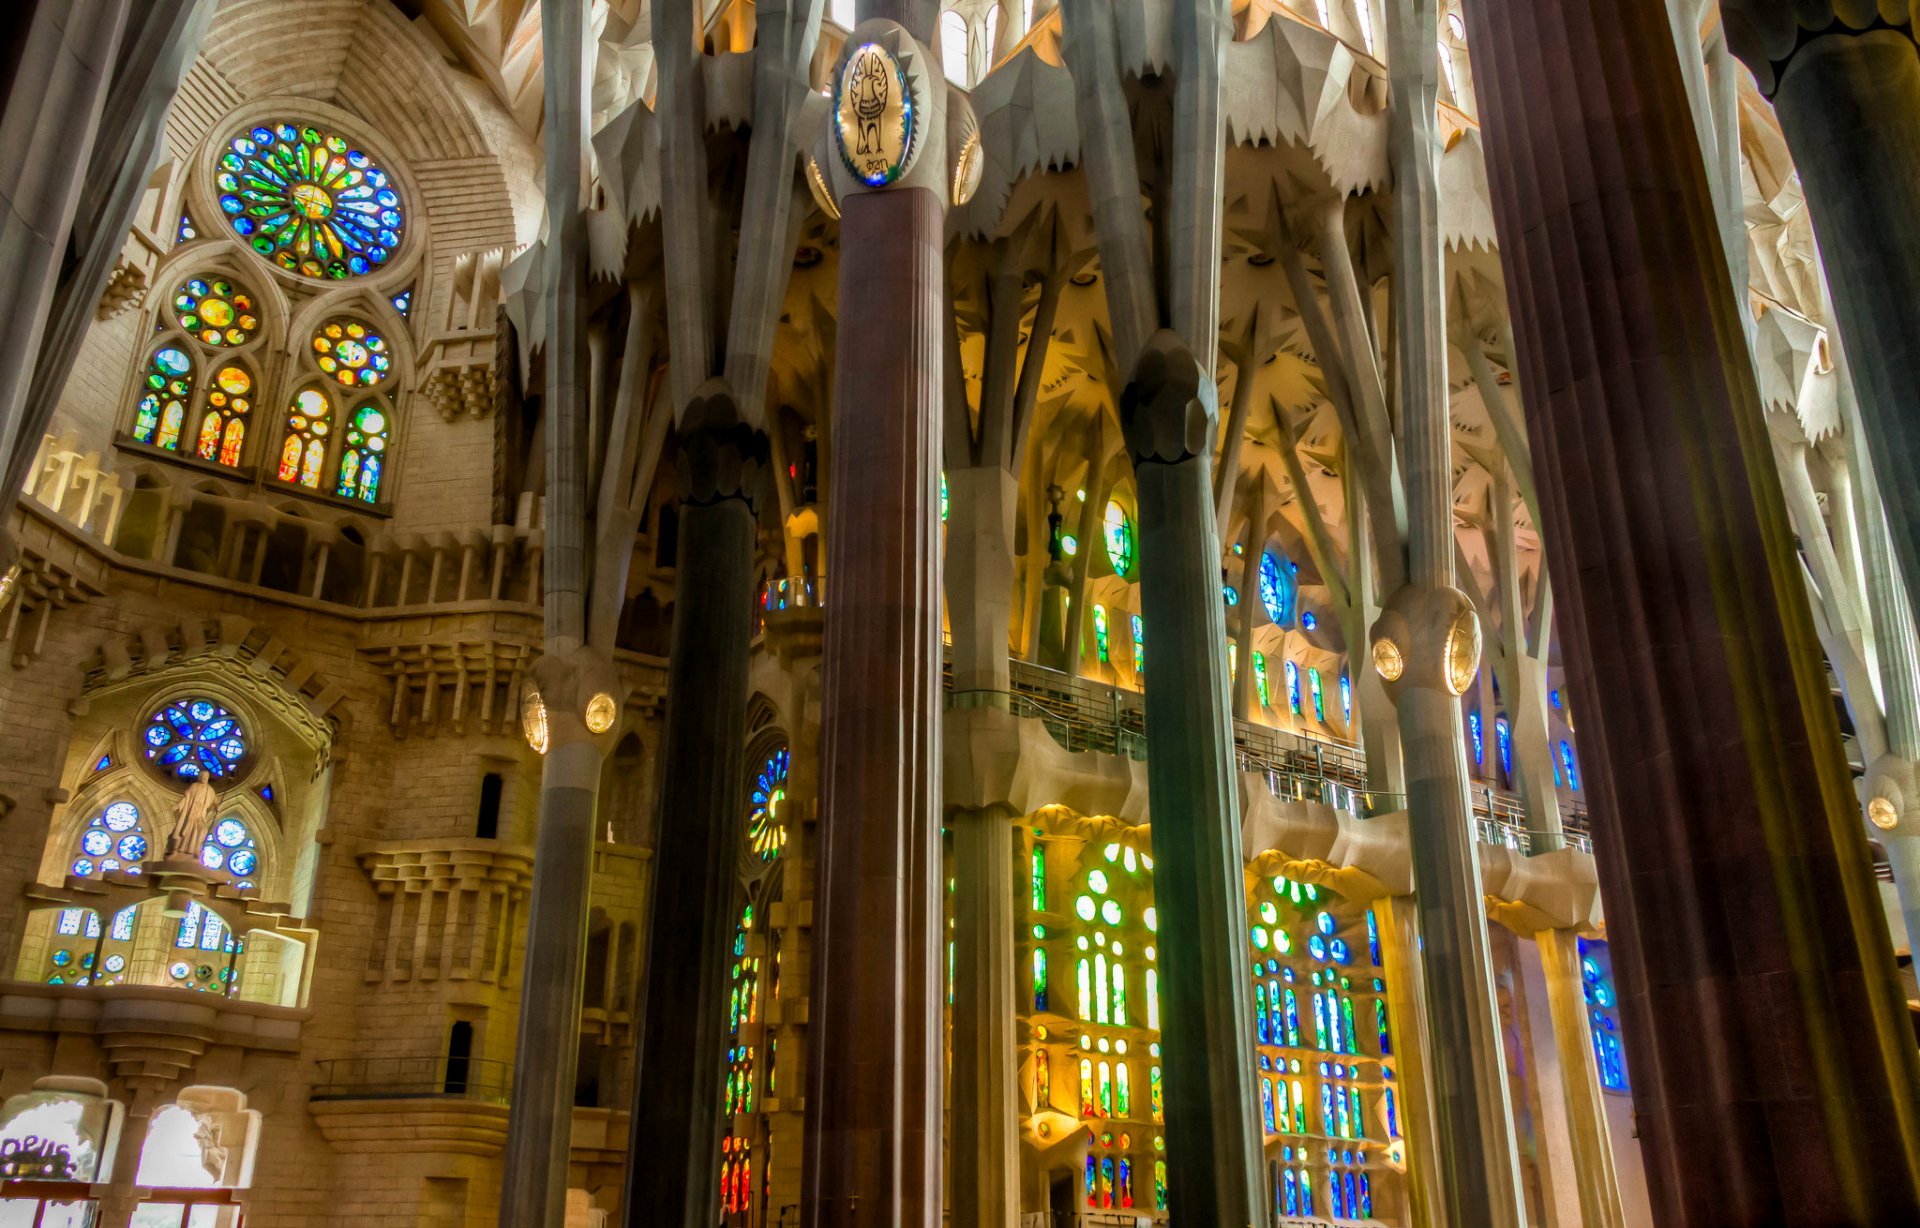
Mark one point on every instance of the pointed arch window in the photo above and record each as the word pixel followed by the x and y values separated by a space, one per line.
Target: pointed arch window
pixel 223 427
pixel 303 448
pixel 165 391
pixel 364 454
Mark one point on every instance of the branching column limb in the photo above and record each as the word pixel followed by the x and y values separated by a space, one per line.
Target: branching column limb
pixel 539 1134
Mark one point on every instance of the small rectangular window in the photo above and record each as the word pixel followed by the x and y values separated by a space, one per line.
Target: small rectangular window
pixel 487 823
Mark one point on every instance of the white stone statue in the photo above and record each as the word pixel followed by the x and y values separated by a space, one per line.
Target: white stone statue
pixel 192 817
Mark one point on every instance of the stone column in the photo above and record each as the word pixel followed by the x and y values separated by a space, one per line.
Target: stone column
pixel 984 1119
pixel 1399 924
pixel 673 1150
pixel 1426 648
pixel 1215 1165
pixel 1775 1076
pixel 1586 1115
pixel 555 714
pixel 876 1066
pixel 54 101
pixel 985 1123
pixel 1848 100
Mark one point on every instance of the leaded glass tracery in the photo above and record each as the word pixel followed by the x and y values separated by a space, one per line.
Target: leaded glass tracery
pixel 766 800
pixel 1119 534
pixel 166 388
pixel 303 448
pixel 363 454
pixel 309 202
pixel 351 353
pixel 216 311
pixel 119 838
pixel 194 736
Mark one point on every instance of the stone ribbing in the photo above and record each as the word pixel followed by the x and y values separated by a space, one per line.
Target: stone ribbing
pixel 1774 1077
pixel 876 1065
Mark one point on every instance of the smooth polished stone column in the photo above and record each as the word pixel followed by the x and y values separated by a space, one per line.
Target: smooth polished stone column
pixel 1775 1075
pixel 1848 101
pixel 1215 1164
pixel 985 1114
pixel 1399 923
pixel 876 1066
pixel 1586 1116
pixel 673 1149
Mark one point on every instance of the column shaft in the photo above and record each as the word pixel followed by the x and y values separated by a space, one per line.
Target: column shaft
pixel 875 1060
pixel 1775 1076
pixel 1479 1166
pixel 1849 105
pixel 534 1178
pixel 1593 1171
pixel 986 1108
pixel 673 1152
pixel 1215 1164
pixel 1406 1017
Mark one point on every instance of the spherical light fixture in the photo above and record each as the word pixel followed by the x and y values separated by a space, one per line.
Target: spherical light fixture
pixel 533 720
pixel 1388 659
pixel 1463 651
pixel 600 712
pixel 1881 814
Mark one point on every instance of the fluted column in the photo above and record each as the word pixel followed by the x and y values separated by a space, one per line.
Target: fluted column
pixel 1215 1166
pixel 673 1149
pixel 1848 100
pixel 569 674
pixel 1775 1075
pixel 876 1068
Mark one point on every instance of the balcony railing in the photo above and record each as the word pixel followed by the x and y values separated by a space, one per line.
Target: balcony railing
pixel 414 1078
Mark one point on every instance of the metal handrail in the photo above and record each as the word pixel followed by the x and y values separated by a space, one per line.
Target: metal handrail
pixel 411 1078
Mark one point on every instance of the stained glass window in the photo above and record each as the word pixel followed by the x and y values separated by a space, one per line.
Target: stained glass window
pixel 1603 1005
pixel 187 232
pixel 305 199
pixel 1276 588
pixel 767 799
pixel 1478 736
pixel 1139 646
pixel 1293 688
pixel 194 736
pixel 118 839
pixel 230 847
pixel 351 353
pixel 165 391
pixel 1346 697
pixel 363 454
pixel 223 428
pixel 1503 734
pixel 1566 761
pixel 1260 678
pixel 1119 533
pixel 1313 686
pixel 304 450
pixel 403 302
pixel 1100 631
pixel 215 311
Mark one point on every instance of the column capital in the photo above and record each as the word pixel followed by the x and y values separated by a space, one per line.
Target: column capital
pixel 1167 408
pixel 1767 34
pixel 721 457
